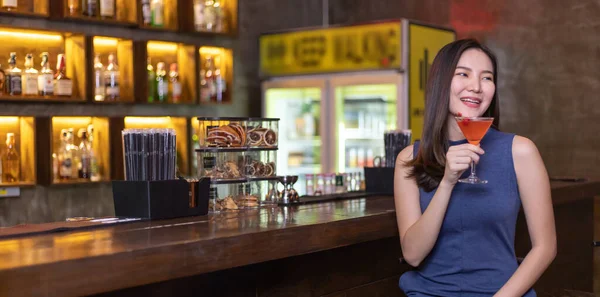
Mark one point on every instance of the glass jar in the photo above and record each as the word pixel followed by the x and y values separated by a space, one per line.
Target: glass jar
pixel 262 132
pixel 339 184
pixel 329 184
pixel 222 132
pixel 310 184
pixel 320 188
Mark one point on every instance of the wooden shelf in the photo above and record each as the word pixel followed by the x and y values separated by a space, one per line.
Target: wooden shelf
pixel 40 99
pixel 99 21
pixel 19 184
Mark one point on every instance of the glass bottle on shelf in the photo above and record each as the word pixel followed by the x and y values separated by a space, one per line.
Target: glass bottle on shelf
pixel 76 157
pixel 111 79
pixel 45 83
pixel 107 9
pixel 65 157
pixel 199 21
pixel 320 188
pixel 85 164
pixel 162 84
pixel 2 81
pixel 204 91
pixel 158 11
pixel 89 7
pixel 99 83
pixel 219 16
pixel 208 90
pixel 210 15
pixel 220 84
pixel 29 79
pixel 174 84
pixel 73 7
pixel 11 168
pixel 146 13
pixel 94 166
pixel 151 81
pixel 63 86
pixel 9 5
pixel 13 76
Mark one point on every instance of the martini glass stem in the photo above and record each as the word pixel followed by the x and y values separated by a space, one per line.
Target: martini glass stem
pixel 472 169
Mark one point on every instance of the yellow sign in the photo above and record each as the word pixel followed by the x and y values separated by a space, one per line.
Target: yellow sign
pixel 363 47
pixel 425 43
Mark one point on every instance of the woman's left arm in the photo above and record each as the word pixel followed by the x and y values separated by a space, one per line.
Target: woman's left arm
pixel 534 188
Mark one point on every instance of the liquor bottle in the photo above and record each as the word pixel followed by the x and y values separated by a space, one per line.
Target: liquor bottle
pixel 146 13
pixel 174 84
pixel 208 88
pixel 76 157
pixel 63 86
pixel 9 5
pixel 210 15
pixel 99 85
pixel 29 79
pixel 219 16
pixel 162 84
pixel 89 7
pixel 220 84
pixel 107 9
pixel 2 81
pixel 204 91
pixel 94 166
pixel 111 79
pixel 151 81
pixel 11 168
pixel 85 163
pixel 46 77
pixel 65 157
pixel 158 13
pixel 199 20
pixel 73 7
pixel 13 76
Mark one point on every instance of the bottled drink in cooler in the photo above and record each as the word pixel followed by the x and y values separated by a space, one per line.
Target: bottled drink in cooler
pixel 146 13
pixel 310 185
pixel 89 7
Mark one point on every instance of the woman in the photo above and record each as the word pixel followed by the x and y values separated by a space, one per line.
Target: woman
pixel 461 236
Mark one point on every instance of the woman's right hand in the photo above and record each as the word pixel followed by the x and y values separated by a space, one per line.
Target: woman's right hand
pixel 458 159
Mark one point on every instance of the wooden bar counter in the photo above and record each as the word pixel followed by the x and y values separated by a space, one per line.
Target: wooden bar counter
pixel 337 248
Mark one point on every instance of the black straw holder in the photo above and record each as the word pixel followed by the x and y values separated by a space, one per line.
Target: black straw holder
pixel 161 199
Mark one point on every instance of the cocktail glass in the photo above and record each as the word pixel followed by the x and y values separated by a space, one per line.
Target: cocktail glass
pixel 474 128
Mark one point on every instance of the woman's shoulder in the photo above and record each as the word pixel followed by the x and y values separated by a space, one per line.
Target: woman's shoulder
pixel 406 154
pixel 523 147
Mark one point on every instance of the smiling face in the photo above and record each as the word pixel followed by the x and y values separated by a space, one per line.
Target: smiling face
pixel 472 88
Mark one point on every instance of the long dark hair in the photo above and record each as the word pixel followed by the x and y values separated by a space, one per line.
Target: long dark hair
pixel 428 166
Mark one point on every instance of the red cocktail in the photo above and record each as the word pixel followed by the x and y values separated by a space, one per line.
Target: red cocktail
pixel 474 129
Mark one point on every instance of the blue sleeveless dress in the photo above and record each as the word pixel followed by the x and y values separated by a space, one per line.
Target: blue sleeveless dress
pixel 474 254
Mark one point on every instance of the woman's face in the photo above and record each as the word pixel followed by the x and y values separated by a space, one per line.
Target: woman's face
pixel 472 87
